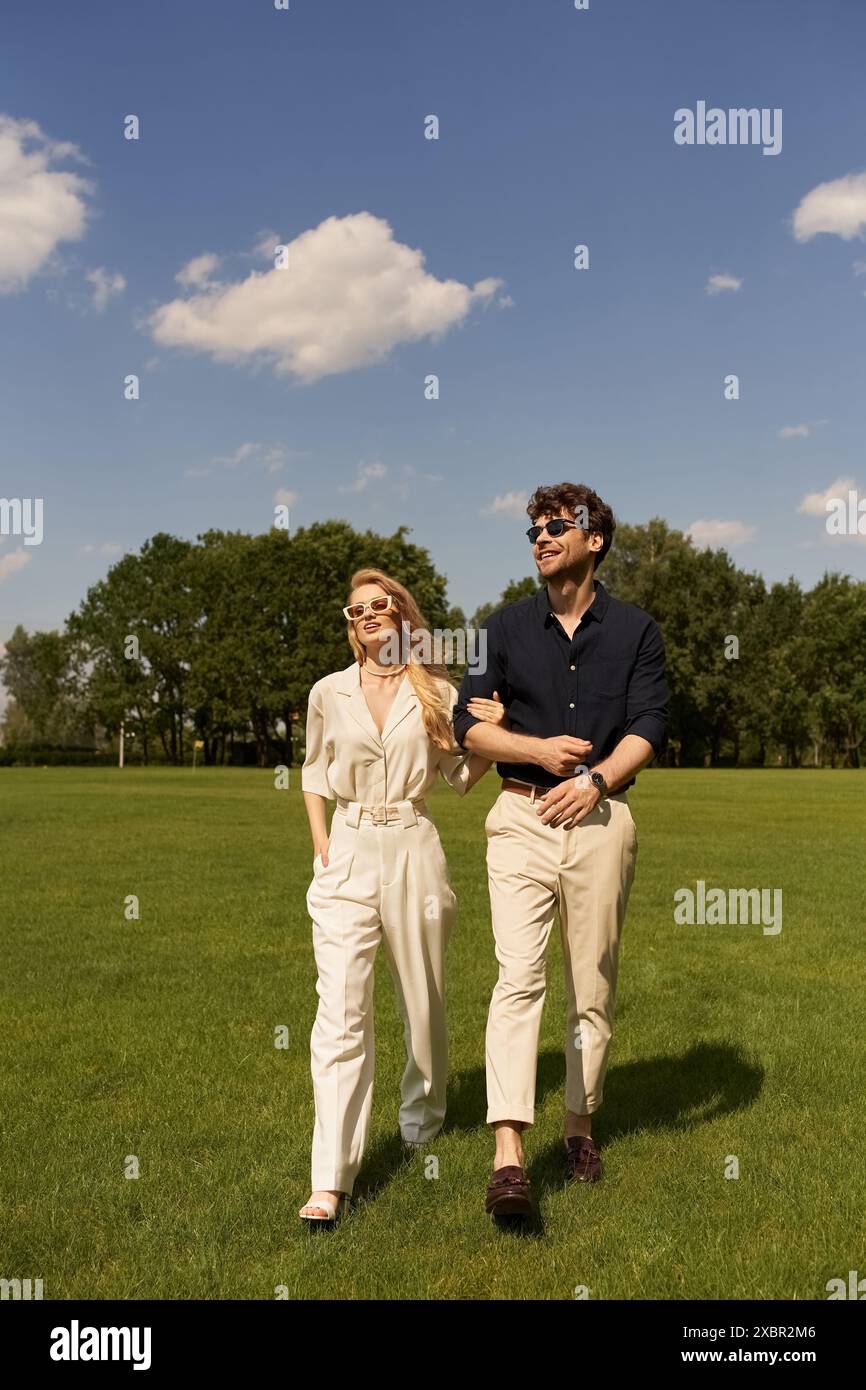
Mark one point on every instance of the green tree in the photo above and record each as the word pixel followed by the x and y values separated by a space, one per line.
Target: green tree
pixel 833 632
pixel 221 685
pixel 639 567
pixel 43 707
pixel 147 597
pixel 512 593
pixel 774 705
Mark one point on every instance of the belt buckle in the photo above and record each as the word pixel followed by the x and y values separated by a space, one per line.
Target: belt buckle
pixel 380 815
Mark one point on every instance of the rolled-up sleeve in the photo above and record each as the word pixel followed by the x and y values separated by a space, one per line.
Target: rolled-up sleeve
pixel 482 684
pixel 455 769
pixel 647 703
pixel 314 773
pixel 455 766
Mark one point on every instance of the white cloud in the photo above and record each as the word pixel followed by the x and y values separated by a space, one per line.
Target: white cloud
pixel 265 245
pixel 39 206
pixel 277 456
pixel 272 457
pixel 14 561
pixel 510 504
pixel 104 548
pixel 105 286
pixel 837 207
pixel 366 474
pixel 794 432
pixel 505 301
pixel 720 533
pixel 815 503
pixel 240 455
pixel 718 283
pixel 285 497
pixel 197 273
pixel 846 510
pixel 349 294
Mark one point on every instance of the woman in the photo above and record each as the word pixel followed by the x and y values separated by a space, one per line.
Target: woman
pixel 377 733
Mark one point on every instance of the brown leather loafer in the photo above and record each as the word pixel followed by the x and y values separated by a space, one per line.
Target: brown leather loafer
pixel 583 1160
pixel 508 1192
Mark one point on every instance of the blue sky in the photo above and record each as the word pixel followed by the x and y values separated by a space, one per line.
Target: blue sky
pixel 556 128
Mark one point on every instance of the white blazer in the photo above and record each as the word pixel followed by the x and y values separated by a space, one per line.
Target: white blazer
pixel 347 758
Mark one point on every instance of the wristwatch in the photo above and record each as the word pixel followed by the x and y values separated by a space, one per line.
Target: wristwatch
pixel 598 781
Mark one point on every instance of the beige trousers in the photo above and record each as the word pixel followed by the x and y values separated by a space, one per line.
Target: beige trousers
pixel 385 882
pixel 536 871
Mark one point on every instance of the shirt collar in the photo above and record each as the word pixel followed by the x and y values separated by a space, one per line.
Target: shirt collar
pixel 596 609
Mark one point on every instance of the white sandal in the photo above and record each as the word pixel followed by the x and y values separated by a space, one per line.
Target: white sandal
pixel 324 1204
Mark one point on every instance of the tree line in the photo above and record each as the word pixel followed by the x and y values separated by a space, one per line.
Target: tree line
pixel 216 643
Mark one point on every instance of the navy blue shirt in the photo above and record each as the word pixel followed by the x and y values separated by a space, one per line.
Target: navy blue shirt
pixel 606 681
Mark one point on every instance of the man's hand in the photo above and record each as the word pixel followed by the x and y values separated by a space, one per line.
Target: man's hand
pixel 563 754
pixel 568 803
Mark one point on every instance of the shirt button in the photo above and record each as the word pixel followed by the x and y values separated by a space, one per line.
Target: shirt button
pixel 573 668
pixel 571 706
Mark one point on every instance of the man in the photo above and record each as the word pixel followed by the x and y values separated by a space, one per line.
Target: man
pixel 583 678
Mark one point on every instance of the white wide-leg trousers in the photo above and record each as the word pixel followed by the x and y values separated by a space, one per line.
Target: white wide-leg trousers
pixel 385 881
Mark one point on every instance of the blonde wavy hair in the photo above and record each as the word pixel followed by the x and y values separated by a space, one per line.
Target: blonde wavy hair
pixel 425 676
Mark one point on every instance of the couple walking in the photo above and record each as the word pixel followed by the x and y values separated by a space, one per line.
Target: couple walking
pixel 571 706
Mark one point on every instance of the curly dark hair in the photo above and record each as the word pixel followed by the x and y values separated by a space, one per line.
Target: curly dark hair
pixel 568 497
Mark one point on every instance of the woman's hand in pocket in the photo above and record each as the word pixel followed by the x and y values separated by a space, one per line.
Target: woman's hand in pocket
pixel 491 711
pixel 321 850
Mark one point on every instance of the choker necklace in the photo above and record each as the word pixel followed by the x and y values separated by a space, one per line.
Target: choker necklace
pixel 382 675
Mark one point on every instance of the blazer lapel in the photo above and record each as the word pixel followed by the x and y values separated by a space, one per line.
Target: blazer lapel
pixel 404 702
pixel 350 686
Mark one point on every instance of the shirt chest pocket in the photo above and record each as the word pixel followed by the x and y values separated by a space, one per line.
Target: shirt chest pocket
pixel 609 677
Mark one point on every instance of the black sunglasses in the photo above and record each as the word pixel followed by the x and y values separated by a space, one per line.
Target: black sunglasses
pixel 553 528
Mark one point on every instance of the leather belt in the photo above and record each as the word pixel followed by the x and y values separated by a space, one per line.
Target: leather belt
pixel 534 790
pixel 530 789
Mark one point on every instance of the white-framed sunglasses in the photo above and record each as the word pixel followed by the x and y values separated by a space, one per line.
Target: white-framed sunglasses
pixel 382 604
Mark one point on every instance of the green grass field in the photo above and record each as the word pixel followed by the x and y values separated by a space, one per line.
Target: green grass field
pixel 155 1038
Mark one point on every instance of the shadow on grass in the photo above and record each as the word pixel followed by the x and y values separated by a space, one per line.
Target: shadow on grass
pixel 679 1092
pixel 673 1093
pixel 676 1094
pixel 382 1162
